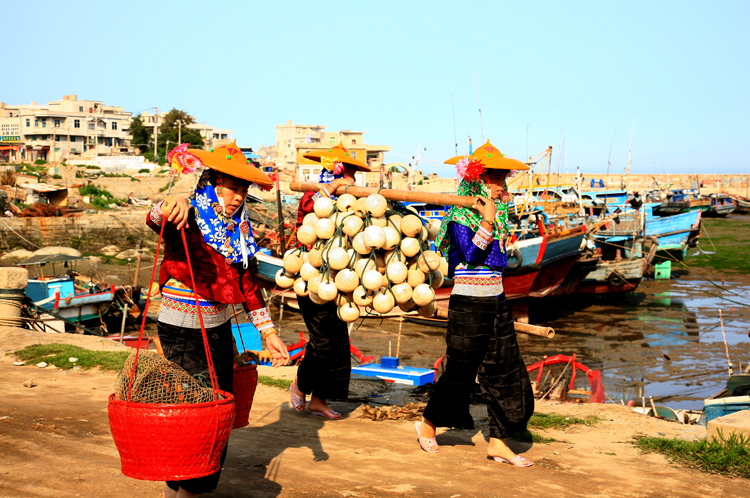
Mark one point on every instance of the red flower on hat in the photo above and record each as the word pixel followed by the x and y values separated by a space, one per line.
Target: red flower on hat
pixel 182 160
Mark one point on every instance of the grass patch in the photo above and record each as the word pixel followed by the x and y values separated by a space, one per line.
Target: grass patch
pixel 532 437
pixel 552 421
pixel 60 354
pixel 270 381
pixel 731 238
pixel 728 456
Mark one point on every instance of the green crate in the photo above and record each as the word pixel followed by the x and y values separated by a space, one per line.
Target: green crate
pixel 663 271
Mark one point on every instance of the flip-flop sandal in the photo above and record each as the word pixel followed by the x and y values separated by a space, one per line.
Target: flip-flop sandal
pixel 298 402
pixel 516 461
pixel 429 444
pixel 329 414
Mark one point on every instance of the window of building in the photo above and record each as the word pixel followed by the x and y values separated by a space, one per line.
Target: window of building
pixel 216 136
pixel 76 123
pixel 223 136
pixel 28 122
pixel 354 154
pixel 80 108
pixel 57 123
pixel 36 122
pixel 57 138
pixel 72 139
pixel 91 125
pixel 299 131
pixel 333 141
pixel 114 125
pixel 44 122
pixel 354 141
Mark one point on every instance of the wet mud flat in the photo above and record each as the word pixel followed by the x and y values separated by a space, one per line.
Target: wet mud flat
pixel 664 340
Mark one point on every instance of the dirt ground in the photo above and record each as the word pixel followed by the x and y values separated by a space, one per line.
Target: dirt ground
pixel 55 441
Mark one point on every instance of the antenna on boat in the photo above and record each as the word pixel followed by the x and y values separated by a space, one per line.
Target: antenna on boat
pixel 630 152
pixel 479 99
pixel 455 138
pixel 609 163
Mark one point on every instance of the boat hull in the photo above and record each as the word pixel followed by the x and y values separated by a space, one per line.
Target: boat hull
pixel 613 277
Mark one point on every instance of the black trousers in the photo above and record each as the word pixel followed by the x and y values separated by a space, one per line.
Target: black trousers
pixel 481 341
pixel 185 347
pixel 327 366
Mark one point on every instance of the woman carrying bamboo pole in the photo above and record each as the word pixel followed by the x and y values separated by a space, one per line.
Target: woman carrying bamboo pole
pixel 326 368
pixel 220 243
pixel 480 336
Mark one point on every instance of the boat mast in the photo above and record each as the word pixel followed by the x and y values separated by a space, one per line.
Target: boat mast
pixel 455 139
pixel 630 152
pixel 479 99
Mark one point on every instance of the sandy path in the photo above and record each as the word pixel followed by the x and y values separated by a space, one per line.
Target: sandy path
pixel 57 443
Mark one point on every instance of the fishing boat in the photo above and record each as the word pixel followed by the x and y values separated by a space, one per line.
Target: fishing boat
pixel 682 201
pixel 67 296
pixel 721 206
pixel 614 276
pixel 743 204
pixel 733 398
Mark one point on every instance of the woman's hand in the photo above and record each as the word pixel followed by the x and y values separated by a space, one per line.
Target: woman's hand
pixel 339 182
pixel 485 207
pixel 278 350
pixel 176 209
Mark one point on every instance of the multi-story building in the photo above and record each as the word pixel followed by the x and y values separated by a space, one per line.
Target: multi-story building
pixel 65 129
pixel 293 141
pixel 212 136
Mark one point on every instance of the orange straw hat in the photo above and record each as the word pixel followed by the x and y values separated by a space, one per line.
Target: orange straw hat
pixel 491 158
pixel 227 159
pixel 336 154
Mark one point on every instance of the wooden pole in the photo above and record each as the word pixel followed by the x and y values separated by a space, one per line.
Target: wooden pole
pixel 398 342
pixel 392 195
pixel 124 319
pixel 523 328
pixel 137 265
pixel 280 211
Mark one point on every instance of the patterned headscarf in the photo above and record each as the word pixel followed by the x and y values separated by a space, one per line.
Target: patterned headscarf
pixel 468 217
pixel 230 236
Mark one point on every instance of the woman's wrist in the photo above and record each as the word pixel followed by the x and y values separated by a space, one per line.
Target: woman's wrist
pixel 266 333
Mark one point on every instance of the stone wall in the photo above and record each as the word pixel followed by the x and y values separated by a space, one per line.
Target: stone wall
pixel 87 233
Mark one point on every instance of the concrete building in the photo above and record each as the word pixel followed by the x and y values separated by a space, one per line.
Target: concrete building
pixel 295 140
pixel 64 129
pixel 212 136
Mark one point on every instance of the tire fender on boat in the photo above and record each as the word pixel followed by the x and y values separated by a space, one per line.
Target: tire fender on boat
pixel 515 255
pixel 616 279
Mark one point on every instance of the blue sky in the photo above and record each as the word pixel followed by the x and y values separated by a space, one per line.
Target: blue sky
pixel 681 69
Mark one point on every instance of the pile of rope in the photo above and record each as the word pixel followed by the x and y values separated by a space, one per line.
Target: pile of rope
pixel 158 380
pixel 410 411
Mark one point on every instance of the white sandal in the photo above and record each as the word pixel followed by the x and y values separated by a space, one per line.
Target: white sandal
pixel 429 444
pixel 298 402
pixel 516 461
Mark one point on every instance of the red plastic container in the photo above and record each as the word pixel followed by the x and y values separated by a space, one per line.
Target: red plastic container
pixel 170 442
pixel 244 383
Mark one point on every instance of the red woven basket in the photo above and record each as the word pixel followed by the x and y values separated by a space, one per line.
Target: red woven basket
pixel 244 383
pixel 170 442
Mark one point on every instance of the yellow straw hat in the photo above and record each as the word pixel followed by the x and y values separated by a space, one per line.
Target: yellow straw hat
pixel 337 154
pixel 229 159
pixel 491 158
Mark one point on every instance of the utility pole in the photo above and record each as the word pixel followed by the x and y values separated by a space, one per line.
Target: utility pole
pixel 156 134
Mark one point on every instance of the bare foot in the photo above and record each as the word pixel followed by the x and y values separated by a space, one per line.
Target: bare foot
pixel 169 492
pixel 185 494
pixel 428 429
pixel 499 448
pixel 318 404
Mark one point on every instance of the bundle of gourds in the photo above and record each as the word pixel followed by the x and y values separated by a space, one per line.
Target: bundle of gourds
pixel 364 254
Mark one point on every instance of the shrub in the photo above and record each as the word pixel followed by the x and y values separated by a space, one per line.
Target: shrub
pixel 57 177
pixel 144 170
pixel 40 161
pixel 90 166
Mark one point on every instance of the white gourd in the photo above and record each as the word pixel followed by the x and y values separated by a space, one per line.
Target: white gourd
pixel 396 272
pixel 310 219
pixel 380 221
pixel 308 271
pixel 394 220
pixel 359 207
pixel 346 202
pixel 376 205
pixel 423 235
pixel 358 243
pixel 315 298
pixel 427 310
pixel 392 238
pixel 364 265
pixel 383 302
pixel 410 246
pixel 362 296
pixel 324 228
pixel 407 306
pixel 443 266
pixel 372 280
pixel 422 295
pixel 323 207
pixel 433 227
pixel 292 263
pixel 374 237
pixel 353 225
pixel 437 279
pixel 402 292
pixel 348 312
pixel 283 280
pixel 347 280
pixel 306 235
pixel 315 258
pixel 300 287
pixel 428 261
pixel 415 277
pixel 327 290
pixel 411 225
pixel 337 258
pixel 392 256
pixel 314 283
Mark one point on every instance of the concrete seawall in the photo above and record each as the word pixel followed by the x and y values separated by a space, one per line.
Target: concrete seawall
pixel 87 233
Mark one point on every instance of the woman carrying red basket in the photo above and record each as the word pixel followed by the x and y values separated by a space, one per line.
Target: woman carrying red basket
pixel 220 244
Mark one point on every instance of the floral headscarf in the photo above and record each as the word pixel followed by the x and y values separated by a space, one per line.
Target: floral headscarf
pixel 474 183
pixel 330 170
pixel 230 236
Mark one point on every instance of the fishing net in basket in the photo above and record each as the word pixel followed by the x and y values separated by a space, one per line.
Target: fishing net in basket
pixel 158 380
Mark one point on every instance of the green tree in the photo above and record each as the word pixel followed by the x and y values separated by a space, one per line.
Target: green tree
pixel 170 121
pixel 141 134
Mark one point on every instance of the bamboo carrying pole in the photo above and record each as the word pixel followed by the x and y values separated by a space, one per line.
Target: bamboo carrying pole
pixel 523 328
pixel 391 194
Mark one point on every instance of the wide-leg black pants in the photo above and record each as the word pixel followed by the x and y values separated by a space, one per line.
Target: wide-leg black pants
pixel 481 340
pixel 185 347
pixel 327 366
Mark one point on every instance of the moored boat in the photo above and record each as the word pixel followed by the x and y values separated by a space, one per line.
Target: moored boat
pixel 614 276
pixel 721 205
